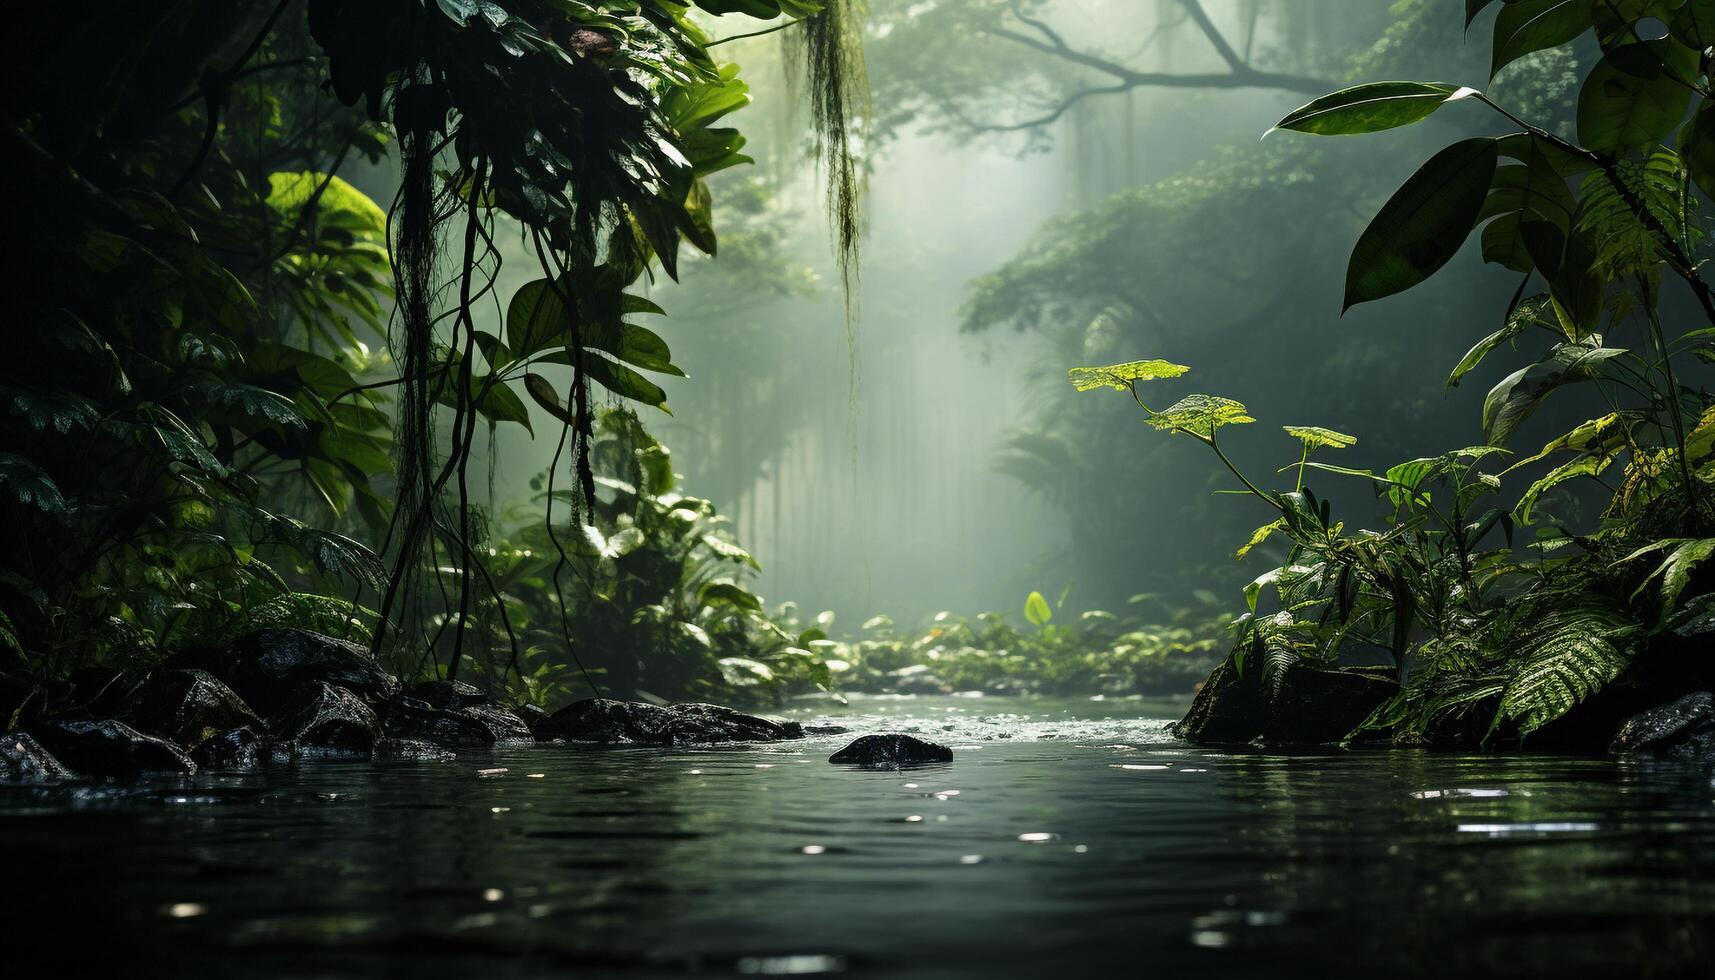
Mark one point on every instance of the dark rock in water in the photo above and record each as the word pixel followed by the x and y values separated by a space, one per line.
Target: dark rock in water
pixel 240 748
pixel 1681 729
pixel 113 748
pixel 481 724
pixel 1309 706
pixel 530 715
pixel 323 720
pixel 269 666
pixel 891 752
pixel 410 750
pixel 607 720
pixel 23 760
pixel 505 726
pixel 188 706
pixel 825 729
pixel 448 694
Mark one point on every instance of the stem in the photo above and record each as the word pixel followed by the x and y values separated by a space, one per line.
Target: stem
pixel 1301 461
pixel 766 30
pixel 1672 394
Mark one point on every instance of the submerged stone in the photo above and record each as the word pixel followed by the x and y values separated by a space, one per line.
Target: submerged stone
pixel 324 720
pixel 269 666
pixel 410 750
pixel 23 760
pixel 188 706
pixel 113 748
pixel 1681 729
pixel 637 722
pixel 891 752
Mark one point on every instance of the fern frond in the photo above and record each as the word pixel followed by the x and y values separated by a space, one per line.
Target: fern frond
pixel 1576 652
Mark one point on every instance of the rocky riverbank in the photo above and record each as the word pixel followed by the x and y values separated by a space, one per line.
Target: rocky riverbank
pixel 284 695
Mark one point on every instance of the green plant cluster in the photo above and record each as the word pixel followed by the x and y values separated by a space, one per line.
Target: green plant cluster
pixel 1098 653
pixel 242 393
pixel 1489 641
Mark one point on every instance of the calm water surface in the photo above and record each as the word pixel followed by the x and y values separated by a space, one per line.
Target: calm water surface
pixel 1068 838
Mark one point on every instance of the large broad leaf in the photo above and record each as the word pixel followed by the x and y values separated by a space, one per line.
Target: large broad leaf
pixel 1524 26
pixel 1693 25
pixel 1200 415
pixel 1371 108
pixel 1473 8
pixel 1534 190
pixel 1424 223
pixel 1697 146
pixel 1634 96
pixel 1121 376
pixel 1520 393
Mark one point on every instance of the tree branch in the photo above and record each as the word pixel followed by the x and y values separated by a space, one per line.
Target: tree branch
pixel 1239 73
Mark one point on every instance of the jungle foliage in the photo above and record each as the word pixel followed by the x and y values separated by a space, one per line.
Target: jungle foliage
pixel 243 393
pixel 1096 653
pixel 1490 635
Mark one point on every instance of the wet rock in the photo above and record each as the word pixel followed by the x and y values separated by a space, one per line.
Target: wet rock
pixel 269 667
pixel 188 706
pixel 891 752
pixel 326 721
pixel 607 720
pixel 1682 729
pixel 482 724
pixel 1309 706
pixel 826 730
pixel 530 715
pixel 448 694
pixel 241 748
pixel 23 760
pixel 113 748
pixel 410 750
pixel 505 726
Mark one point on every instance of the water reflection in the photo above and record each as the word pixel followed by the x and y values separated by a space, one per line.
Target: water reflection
pixel 1102 848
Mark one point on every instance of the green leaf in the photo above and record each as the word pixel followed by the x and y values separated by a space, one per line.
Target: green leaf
pixel 1036 609
pixel 1531 312
pixel 1675 571
pixel 1315 436
pixel 1200 415
pixel 542 390
pixel 1693 25
pixel 625 382
pixel 1590 464
pixel 1519 394
pixel 1524 26
pixel 1121 376
pixel 1697 146
pixel 1421 227
pixel 1573 654
pixel 1620 110
pixel 728 594
pixel 1371 108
